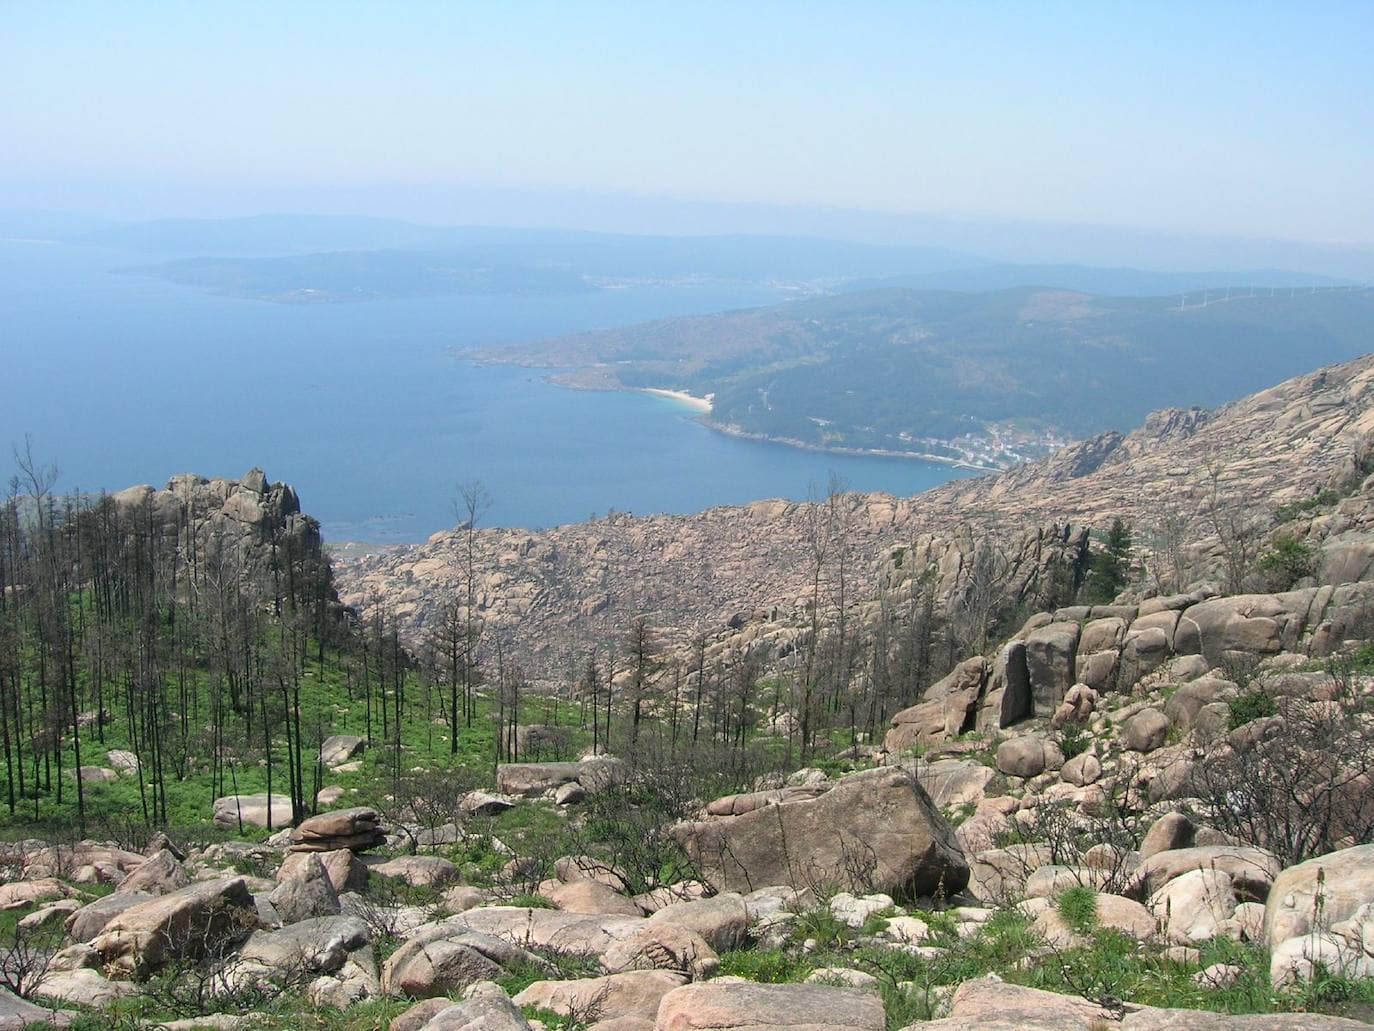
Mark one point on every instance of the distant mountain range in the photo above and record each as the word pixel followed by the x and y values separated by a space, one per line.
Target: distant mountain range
pixel 983 378
pixel 301 258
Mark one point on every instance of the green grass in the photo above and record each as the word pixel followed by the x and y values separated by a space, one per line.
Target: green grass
pixel 1078 908
pixel 1107 964
pixel 116 810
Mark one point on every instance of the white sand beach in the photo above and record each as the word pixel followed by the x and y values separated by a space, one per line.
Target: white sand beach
pixel 699 404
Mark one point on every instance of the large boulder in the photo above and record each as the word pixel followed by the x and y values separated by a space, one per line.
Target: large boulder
pixel 989 1004
pixel 1188 700
pixel 82 987
pixel 486 1012
pixel 444 958
pixel 1246 624
pixel 741 1005
pixel 723 920
pixel 748 801
pixel 90 919
pixel 1050 663
pixel 356 829
pixel 1028 755
pixel 304 889
pixel 1171 831
pixel 587 896
pixel 345 870
pixel 1194 906
pixel 954 782
pixel 876 830
pixel 1113 912
pixel 16 1014
pixel 1252 870
pixel 634 993
pixel 577 933
pixel 419 871
pixel 293 954
pixel 253 811
pixel 1145 731
pixel 1099 652
pixel 530 780
pixel 184 925
pixel 158 875
pixel 1008 697
pixel 947 710
pixel 1344 881
pixel 666 946
pixel 340 748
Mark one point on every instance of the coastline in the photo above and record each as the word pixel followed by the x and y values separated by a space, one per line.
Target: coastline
pixel 802 445
pixel 697 404
pixel 703 406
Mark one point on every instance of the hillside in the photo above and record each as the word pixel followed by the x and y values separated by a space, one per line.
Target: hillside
pixel 984 378
pixel 553 594
pixel 1129 807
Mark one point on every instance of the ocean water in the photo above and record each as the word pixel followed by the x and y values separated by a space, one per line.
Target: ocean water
pixel 122 379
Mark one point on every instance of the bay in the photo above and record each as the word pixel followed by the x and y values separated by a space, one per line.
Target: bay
pixel 122 379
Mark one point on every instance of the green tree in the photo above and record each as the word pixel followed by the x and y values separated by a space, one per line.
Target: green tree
pixel 1110 566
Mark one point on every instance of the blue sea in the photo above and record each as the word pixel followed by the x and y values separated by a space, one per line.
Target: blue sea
pixel 121 379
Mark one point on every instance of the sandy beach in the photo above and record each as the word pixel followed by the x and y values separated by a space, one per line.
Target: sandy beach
pixel 699 404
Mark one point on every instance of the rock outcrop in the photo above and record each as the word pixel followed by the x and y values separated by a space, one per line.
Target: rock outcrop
pixel 747 565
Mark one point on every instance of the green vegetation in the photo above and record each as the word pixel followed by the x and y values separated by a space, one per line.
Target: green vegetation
pixel 1078 908
pixel 914 370
pixel 1108 965
pixel 1286 561
pixel 1074 740
pixel 1253 704
pixel 1294 509
pixel 1109 567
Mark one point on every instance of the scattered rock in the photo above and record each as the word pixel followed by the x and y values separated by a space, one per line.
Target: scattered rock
pixel 253 811
pixel 443 958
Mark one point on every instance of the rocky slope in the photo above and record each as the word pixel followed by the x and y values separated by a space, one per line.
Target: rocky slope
pixel 546 592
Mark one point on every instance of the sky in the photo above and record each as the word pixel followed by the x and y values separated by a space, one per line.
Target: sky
pixel 1238 120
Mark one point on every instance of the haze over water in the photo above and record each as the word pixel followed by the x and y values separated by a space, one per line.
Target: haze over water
pixel 126 379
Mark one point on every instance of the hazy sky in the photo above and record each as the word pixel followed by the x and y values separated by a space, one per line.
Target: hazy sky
pixel 1247 119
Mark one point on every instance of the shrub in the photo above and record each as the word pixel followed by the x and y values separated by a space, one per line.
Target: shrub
pixel 1300 786
pixel 1252 705
pixel 1074 740
pixel 1287 561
